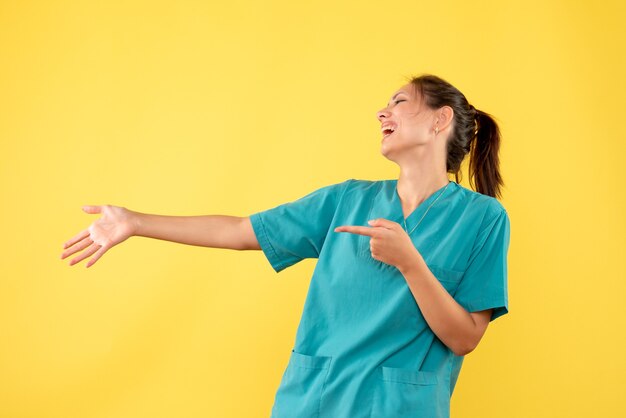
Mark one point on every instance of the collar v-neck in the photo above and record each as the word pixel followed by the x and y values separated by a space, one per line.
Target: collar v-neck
pixel 413 218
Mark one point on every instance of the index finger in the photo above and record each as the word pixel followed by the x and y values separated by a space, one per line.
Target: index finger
pixel 361 230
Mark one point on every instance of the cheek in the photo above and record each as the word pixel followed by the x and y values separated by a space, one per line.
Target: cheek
pixel 416 129
pixel 412 133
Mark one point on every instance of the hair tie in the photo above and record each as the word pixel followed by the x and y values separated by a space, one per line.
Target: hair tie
pixel 472 108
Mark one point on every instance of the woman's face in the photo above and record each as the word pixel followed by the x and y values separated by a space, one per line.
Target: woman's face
pixel 412 122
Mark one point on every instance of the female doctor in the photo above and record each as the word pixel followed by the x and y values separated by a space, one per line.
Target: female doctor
pixel 410 271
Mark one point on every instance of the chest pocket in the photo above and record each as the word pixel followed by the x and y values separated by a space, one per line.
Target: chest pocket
pixel 448 278
pixel 404 393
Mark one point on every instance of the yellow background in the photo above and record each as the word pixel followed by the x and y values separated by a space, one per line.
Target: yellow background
pixel 195 107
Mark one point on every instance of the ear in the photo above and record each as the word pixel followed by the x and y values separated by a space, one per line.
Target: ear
pixel 444 117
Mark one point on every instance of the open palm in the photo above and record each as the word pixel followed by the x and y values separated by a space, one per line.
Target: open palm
pixel 114 226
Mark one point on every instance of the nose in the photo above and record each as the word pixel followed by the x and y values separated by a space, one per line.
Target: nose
pixel 383 113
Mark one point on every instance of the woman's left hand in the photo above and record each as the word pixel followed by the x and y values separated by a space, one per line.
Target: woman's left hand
pixel 389 242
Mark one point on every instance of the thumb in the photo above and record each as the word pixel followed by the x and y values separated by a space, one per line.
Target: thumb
pixel 386 223
pixel 92 209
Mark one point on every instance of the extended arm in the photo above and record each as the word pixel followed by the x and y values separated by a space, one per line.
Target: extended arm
pixel 118 224
pixel 217 231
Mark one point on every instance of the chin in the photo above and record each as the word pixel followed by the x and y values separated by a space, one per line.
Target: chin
pixel 387 152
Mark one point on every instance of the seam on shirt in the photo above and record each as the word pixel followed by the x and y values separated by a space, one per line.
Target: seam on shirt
pixel 340 199
pixel 492 221
pixel 323 390
pixel 343 192
pixel 488 303
pixel 479 243
pixel 265 242
pixel 332 221
pixel 276 261
pixel 363 244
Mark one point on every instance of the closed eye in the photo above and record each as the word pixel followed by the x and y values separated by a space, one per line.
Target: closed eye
pixel 397 101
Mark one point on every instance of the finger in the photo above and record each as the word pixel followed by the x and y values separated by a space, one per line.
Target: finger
pixel 96 256
pixel 361 230
pixel 92 249
pixel 83 244
pixel 385 223
pixel 92 208
pixel 82 234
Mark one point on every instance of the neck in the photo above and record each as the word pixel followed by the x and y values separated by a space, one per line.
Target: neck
pixel 415 185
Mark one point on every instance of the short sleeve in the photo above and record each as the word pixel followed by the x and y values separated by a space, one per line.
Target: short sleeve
pixel 484 283
pixel 293 231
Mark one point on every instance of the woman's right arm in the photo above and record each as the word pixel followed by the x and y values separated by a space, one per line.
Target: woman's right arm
pixel 118 224
pixel 217 231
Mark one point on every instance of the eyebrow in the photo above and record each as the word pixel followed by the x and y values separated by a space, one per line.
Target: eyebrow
pixel 396 95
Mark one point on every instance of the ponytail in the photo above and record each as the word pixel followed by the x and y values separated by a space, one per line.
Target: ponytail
pixel 484 164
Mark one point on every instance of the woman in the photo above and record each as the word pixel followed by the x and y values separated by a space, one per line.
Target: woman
pixel 393 307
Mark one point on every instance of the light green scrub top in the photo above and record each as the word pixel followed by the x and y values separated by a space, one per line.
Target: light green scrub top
pixel 363 348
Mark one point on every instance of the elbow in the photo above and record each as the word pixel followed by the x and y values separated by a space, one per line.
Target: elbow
pixel 245 237
pixel 464 348
pixel 469 341
pixel 460 352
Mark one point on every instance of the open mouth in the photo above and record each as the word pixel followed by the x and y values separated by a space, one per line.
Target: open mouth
pixel 387 132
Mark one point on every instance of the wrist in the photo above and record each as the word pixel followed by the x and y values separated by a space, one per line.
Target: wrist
pixel 413 262
pixel 135 222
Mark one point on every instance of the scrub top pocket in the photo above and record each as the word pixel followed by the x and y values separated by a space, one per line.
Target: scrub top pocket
pixel 300 390
pixel 404 393
pixel 449 279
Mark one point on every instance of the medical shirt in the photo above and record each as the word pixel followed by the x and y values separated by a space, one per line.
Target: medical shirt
pixel 362 347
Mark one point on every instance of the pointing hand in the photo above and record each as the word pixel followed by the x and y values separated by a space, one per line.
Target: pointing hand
pixel 389 242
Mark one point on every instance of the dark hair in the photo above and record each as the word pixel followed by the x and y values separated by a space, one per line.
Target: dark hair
pixel 473 131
